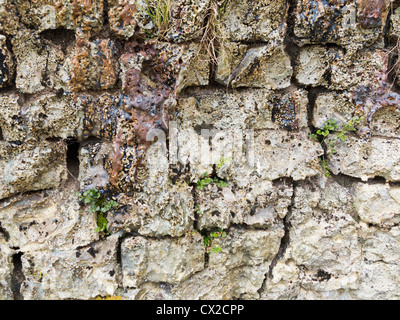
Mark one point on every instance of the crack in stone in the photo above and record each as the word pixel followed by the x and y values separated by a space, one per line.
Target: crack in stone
pixel 17 277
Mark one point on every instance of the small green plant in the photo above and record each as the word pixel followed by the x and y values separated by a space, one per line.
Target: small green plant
pixel 208 241
pixel 223 161
pixel 99 205
pixel 206 180
pixel 159 12
pixel 329 127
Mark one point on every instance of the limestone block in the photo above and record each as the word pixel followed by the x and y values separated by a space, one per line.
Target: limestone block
pixel 260 206
pixel 92 173
pixel 49 116
pixel 41 63
pixel 366 159
pixel 31 57
pixel 324 253
pixel 377 204
pixel 67 14
pixel 166 260
pixel 81 273
pixel 47 219
pixel 333 106
pixel 312 66
pixel 379 110
pixel 241 65
pixel 122 17
pixel 31 166
pixel 248 21
pixel 253 156
pixel 379 277
pixel 333 69
pixel 351 24
pixel 395 23
pixel 257 109
pixel 236 271
pixel 7 65
pixel 365 68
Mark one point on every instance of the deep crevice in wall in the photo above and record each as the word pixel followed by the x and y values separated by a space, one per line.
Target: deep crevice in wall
pixel 286 237
pixel 17 277
pixel 4 232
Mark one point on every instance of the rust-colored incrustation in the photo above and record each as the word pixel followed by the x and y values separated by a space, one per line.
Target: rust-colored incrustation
pixel 116 160
pixel 148 92
pixel 93 65
pixel 372 13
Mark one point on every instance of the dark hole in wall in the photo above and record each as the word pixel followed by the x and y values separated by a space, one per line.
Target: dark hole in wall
pixel 73 158
pixel 17 276
pixel 1 135
pixel 61 37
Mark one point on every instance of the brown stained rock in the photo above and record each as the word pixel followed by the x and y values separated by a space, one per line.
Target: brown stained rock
pixel 122 18
pixel 372 13
pixel 94 64
pixel 7 66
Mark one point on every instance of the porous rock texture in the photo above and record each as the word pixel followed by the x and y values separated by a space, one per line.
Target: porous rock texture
pixel 202 130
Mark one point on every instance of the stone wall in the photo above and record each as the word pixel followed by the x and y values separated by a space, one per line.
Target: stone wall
pixel 209 131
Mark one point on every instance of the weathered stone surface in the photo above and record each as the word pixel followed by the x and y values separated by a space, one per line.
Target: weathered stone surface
pixel 128 17
pixel 380 115
pixel 313 66
pixel 158 207
pixel 49 116
pixel 323 254
pixel 94 64
pixel 41 63
pixel 47 219
pixel 238 270
pixel 241 65
pixel 332 68
pixel 81 273
pixel 351 24
pixel 377 204
pixel 246 21
pixel 31 58
pixel 68 14
pixel 6 64
pixel 258 109
pixel 31 166
pixel 6 269
pixel 260 206
pixel 9 22
pixel 366 68
pixel 200 129
pixel 166 260
pixel 366 159
pixel 267 155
